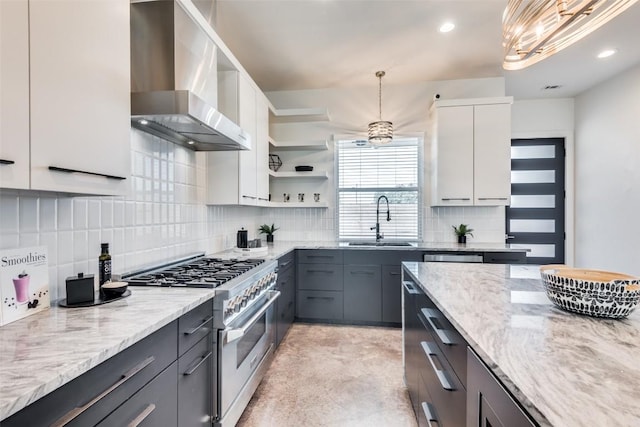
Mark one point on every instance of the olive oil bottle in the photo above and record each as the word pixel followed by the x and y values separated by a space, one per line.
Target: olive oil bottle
pixel 104 264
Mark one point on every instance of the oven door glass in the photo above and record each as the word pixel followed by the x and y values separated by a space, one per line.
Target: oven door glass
pixel 250 340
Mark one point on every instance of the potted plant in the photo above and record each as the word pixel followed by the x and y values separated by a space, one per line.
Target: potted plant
pixel 268 230
pixel 461 231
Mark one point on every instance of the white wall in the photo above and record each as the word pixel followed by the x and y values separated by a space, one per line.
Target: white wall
pixel 351 110
pixel 551 118
pixel 608 175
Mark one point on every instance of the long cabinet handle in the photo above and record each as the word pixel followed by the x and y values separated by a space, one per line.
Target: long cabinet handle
pixel 449 199
pixel 393 273
pixel 321 271
pixel 493 198
pixel 6 162
pixel 197 365
pixel 142 416
pixel 67 170
pixel 368 273
pixel 440 373
pixel 249 197
pixel 319 256
pixel 197 328
pixel 284 264
pixel 263 199
pixel 75 412
pixel 430 315
pixel 327 298
pixel 429 413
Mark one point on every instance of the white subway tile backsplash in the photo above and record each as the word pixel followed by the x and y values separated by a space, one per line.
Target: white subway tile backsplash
pixel 80 213
pixel 29 239
pixel 106 213
pixel 48 214
pixel 65 247
pixel 118 213
pixel 94 213
pixel 80 245
pixel 8 214
pixel 28 215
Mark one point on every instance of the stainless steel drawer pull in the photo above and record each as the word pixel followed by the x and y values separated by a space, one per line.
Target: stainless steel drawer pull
pixel 200 326
pixel 492 198
pixel 440 373
pixel 430 315
pixel 327 298
pixel 321 271
pixel 319 256
pixel 142 416
pixel 393 273
pixel 6 162
pixel 429 413
pixel 67 170
pixel 197 365
pixel 449 199
pixel 410 287
pixel 75 412
pixel 368 273
pixel 284 264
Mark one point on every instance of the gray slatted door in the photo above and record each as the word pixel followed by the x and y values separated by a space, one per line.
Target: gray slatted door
pixel 535 219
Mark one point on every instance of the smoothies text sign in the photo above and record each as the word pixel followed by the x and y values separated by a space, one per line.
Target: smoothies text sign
pixel 24 283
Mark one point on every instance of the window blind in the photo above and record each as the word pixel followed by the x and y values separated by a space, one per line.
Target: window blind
pixel 366 173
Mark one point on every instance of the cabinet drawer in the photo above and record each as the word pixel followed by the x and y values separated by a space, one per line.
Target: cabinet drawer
pixel 391 294
pixel 322 277
pixel 381 256
pixel 449 397
pixel 194 325
pixel 504 258
pixel 320 305
pixel 320 256
pixel 154 405
pixel 448 340
pixel 286 261
pixel 362 293
pixel 105 387
pixel 196 379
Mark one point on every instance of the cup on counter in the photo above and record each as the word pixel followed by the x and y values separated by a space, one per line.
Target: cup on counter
pixel 301 197
pixel 316 197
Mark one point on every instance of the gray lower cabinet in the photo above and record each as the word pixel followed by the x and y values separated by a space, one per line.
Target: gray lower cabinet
pixel 391 294
pixel 286 304
pixel 153 406
pixel 320 285
pixel 488 403
pixel 362 293
pixel 196 382
pixel 320 277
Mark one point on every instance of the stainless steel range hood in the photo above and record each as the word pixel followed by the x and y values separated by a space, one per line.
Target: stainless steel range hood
pixel 174 80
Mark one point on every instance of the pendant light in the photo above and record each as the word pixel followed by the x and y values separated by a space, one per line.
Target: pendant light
pixel 533 30
pixel 380 132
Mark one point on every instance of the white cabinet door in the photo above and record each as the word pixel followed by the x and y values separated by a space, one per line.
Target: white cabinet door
pixel 14 94
pixel 80 95
pixel 261 145
pixel 247 121
pixel 452 156
pixel 492 154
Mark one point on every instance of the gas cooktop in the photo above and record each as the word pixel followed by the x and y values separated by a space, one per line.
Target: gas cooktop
pixel 199 273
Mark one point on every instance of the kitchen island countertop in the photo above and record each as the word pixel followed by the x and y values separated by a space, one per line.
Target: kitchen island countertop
pixel 42 352
pixel 566 369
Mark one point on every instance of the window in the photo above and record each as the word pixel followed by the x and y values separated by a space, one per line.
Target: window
pixel 366 173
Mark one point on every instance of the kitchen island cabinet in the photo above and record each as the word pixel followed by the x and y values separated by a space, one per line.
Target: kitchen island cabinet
pixel 69 130
pixel 525 352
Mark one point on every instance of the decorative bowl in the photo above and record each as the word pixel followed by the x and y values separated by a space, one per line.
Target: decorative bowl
pixel 113 289
pixel 591 292
pixel 304 168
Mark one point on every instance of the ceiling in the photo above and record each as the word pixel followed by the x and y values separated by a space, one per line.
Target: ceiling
pixel 312 44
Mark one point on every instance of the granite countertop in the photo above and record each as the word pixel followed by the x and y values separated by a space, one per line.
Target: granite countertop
pixel 42 352
pixel 566 369
pixel 279 248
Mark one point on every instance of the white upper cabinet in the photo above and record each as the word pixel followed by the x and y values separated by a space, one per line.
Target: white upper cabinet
pixel 80 96
pixel 14 94
pixel 262 148
pixel 492 154
pixel 471 160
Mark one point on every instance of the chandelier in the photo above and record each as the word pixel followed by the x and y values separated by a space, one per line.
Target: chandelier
pixel 533 30
pixel 380 132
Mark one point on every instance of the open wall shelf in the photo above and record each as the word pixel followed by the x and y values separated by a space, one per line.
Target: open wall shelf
pixel 320 145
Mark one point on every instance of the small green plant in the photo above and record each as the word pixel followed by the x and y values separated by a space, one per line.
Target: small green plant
pixel 267 229
pixel 462 230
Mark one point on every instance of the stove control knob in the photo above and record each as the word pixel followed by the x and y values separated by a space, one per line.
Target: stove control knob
pixel 236 308
pixel 244 301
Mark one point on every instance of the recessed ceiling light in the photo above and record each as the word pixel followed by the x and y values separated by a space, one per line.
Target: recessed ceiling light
pixel 190 142
pixel 446 27
pixel 143 122
pixel 607 53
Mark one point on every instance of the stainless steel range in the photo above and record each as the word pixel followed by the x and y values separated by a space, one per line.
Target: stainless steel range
pixel 243 316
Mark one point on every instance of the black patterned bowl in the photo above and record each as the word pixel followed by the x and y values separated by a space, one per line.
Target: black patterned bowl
pixel 591 292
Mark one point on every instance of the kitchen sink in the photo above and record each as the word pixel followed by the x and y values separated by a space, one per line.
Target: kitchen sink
pixel 380 244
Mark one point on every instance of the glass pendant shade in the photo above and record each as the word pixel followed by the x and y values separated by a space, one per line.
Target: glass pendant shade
pixel 381 131
pixel 533 30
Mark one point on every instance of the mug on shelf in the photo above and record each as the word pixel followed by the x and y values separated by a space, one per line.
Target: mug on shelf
pixel 301 197
pixel 285 197
pixel 316 197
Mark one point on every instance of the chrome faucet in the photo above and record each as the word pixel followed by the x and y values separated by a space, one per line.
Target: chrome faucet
pixel 377 227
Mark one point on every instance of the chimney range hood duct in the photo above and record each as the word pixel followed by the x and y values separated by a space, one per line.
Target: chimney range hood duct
pixel 174 80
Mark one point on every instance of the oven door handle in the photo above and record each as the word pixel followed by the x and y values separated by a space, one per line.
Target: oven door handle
pixel 237 333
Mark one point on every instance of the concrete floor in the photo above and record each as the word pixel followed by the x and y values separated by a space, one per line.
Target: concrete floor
pixel 327 375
